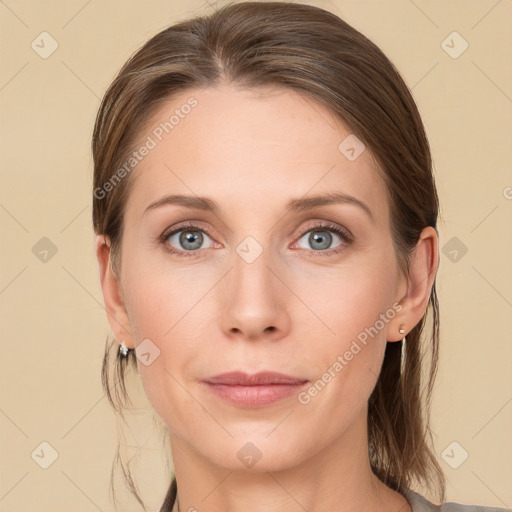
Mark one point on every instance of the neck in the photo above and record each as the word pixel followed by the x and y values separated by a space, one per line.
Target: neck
pixel 336 478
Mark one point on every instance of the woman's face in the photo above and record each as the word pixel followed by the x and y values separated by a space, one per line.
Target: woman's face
pixel 263 286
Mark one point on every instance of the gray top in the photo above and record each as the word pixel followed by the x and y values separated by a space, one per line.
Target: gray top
pixel 420 504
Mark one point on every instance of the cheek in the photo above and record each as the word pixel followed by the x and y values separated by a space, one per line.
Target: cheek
pixel 350 299
pixel 159 322
pixel 355 306
pixel 166 308
pixel 159 295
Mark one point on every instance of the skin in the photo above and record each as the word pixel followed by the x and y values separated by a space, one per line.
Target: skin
pixel 289 311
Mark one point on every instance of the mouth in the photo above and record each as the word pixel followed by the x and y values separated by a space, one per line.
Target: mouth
pixel 252 391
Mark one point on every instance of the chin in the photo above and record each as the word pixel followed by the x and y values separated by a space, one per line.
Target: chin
pixel 257 452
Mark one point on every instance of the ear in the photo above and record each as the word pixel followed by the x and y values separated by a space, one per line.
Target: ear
pixel 423 267
pixel 112 294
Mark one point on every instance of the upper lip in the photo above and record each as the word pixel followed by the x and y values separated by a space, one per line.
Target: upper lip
pixel 261 378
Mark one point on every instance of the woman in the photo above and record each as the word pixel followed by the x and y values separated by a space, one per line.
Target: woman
pixel 265 214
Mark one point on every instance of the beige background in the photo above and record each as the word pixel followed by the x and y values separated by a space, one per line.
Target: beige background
pixel 52 317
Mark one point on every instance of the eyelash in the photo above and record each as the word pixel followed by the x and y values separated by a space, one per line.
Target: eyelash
pixel 344 234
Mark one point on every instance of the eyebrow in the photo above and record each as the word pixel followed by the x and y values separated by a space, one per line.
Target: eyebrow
pixel 326 199
pixel 296 205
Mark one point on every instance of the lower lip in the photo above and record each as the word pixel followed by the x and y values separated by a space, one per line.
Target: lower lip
pixel 254 396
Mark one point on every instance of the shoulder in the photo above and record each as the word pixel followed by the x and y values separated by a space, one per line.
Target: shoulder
pixel 420 504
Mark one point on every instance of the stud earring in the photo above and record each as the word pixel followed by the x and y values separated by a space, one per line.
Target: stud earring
pixel 123 350
pixel 401 330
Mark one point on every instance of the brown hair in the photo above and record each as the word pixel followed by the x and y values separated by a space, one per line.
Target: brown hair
pixel 312 51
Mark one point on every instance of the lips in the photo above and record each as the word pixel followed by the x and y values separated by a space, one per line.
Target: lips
pixel 257 379
pixel 251 391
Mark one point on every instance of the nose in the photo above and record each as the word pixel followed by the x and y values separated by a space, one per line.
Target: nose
pixel 254 301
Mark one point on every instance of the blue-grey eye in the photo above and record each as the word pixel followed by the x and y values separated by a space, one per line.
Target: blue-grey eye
pixel 319 239
pixel 188 240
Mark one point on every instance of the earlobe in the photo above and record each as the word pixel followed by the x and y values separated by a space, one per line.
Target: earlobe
pixel 423 267
pixel 112 294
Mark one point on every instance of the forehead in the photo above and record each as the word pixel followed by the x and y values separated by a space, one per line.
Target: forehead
pixel 257 147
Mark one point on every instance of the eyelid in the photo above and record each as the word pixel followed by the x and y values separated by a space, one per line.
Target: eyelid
pixel 187 225
pixel 326 225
